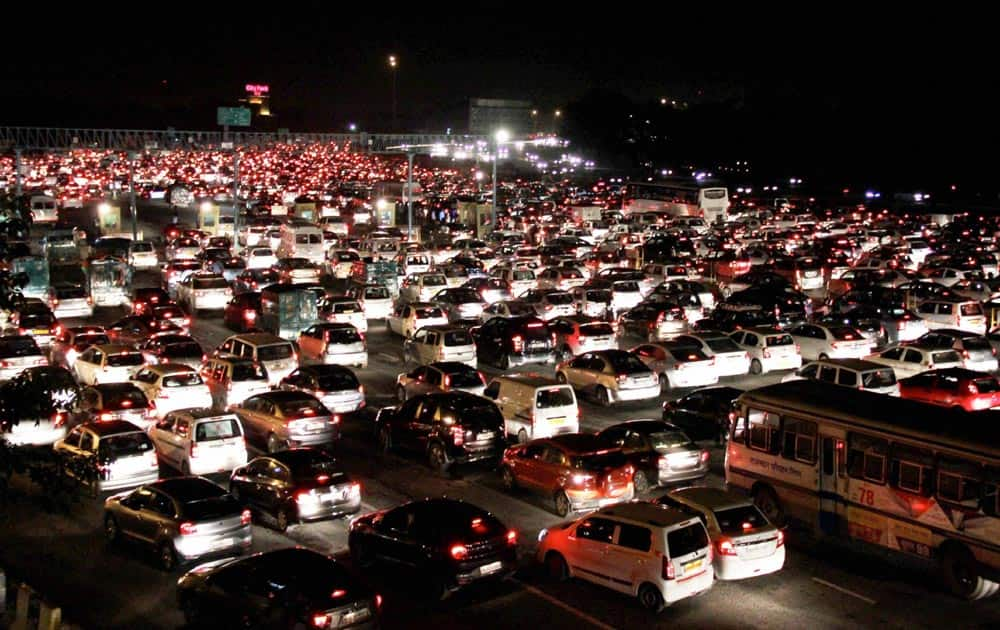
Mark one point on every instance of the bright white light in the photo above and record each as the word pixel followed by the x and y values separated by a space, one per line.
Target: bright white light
pixel 479 176
pixel 352 127
pixel 461 154
pixel 502 135
pixel 439 150
pixel 103 209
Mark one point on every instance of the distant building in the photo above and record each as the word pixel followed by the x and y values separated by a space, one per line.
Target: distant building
pixel 486 115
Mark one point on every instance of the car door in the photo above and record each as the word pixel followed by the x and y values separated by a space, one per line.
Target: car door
pixel 412 346
pixel 248 484
pixel 526 466
pixel 427 350
pixel 424 424
pixel 161 434
pixel 271 486
pixel 432 381
pixel 590 377
pixel 83 366
pixel 131 520
pixel 248 415
pixel 912 363
pixel 394 536
pixel 593 538
pixel 629 556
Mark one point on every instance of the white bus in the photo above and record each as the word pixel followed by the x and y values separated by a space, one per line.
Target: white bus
pixel 44 209
pixel 878 470
pixel 679 200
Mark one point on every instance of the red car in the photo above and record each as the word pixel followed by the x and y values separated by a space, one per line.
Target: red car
pixel 953 387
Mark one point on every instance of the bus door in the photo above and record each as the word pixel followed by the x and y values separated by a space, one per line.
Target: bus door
pixel 832 502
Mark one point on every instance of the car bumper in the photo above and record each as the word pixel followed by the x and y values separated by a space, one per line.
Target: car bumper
pixel 527 359
pixel 317 439
pixel 981 366
pixel 486 570
pixel 192 547
pixel 687 586
pixel 322 509
pixel 347 358
pixel 209 465
pixel 343 404
pixel 24 434
pixel 682 378
pixel 637 393
pixel 781 363
pixel 129 481
pixel 732 367
pixel 735 568
pixel 583 500
pixel 667 475
pixel 670 330
pixel 82 310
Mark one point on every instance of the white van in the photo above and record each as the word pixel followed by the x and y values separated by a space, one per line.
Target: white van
pixel 302 241
pixel 44 209
pixel 534 406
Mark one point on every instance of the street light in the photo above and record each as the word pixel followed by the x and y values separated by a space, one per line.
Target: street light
pixel 500 137
pixel 393 62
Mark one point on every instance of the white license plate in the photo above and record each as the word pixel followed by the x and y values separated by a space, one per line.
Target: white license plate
pixel 484 436
pixel 492 567
pixel 354 617
pixel 222 544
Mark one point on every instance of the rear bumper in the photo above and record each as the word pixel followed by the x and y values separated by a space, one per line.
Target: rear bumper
pixel 583 500
pixel 638 393
pixel 535 357
pixel 129 481
pixel 322 510
pixel 347 358
pixel 666 475
pixel 734 568
pixel 192 547
pixel 684 587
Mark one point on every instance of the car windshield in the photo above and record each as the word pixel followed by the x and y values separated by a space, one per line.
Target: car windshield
pixel 21 347
pixel 212 508
pixel 429 312
pixel 987 385
pixel 554 397
pixel 125 359
pixel 302 407
pixel 124 445
pixel 949 356
pixel 217 429
pixel 457 338
pixel 559 298
pixel 376 293
pixel 248 372
pixel 602 295
pixel 337 381
pixel 738 520
pixel 210 283
pixel 596 330
pixel 81 342
pixel 665 440
pixel 626 363
pixel 434 281
pixel 276 352
pixel 599 462
pixel 878 378
pixel 780 340
pixel 465 378
pixel 184 379
pixel 183 350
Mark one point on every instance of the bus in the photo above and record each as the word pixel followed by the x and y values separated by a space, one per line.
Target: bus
pixel 710 202
pixel 877 470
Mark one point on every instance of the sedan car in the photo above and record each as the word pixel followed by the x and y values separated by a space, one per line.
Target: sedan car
pixel 278 420
pixel 183 519
pixel 730 359
pixel 70 300
pixel 172 386
pixel 134 330
pixel 296 270
pixel 335 386
pixel 507 308
pixel 610 375
pixel 18 352
pixel 255 280
pixel 704 414
pixel 259 257
pixel 830 341
pixel 654 321
pixel 660 452
pixel 441 376
pixel 204 291
pixel 299 484
pixel 172 348
pixel 459 304
pixel 549 303
pixel 442 544
pixel 580 333
pixel 909 361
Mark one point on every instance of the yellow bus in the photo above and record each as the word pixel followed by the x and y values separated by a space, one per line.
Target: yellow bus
pixel 898 474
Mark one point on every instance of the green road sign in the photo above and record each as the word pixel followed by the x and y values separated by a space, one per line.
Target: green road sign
pixel 233 116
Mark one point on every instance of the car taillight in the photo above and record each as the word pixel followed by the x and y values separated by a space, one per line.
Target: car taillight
pixel 187 528
pixel 726 548
pixel 250 315
pixel 245 517
pixel 965 354
pixel 781 539
pixel 621 378
pixel 512 537
pixel 971 388
pixel 459 552
pixel 59 418
pixel 378 601
pixel 105 416
pixel 668 569
pixel 194 450
pixel 458 435
pixel 518 342
pixel 705 455
pixel 798 349
pixel 320 620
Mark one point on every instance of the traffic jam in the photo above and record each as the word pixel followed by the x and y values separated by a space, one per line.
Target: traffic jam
pixel 588 344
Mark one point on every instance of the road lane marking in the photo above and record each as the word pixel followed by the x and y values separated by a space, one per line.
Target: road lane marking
pixel 844 590
pixel 561 604
pixel 391 358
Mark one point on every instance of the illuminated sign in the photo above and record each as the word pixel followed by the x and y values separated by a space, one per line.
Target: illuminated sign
pixel 257 89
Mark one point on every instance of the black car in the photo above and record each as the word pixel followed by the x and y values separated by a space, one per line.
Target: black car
pixel 300 484
pixel 37 395
pixel 507 341
pixel 242 312
pixel 255 280
pixel 445 543
pixel 704 414
pixel 286 588
pixel 144 298
pixel 449 427
pixel 660 452
pixel 112 401
pixel 730 317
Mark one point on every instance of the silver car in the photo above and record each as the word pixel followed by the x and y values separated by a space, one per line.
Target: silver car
pixel 442 376
pixel 183 518
pixel 278 420
pixel 124 455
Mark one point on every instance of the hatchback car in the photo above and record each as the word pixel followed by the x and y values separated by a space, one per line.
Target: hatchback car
pixel 343 310
pixel 549 303
pixel 284 419
pixel 260 257
pixel 659 452
pixel 122 452
pixel 70 342
pixel 704 414
pixel 232 379
pixel 909 361
pixel 507 342
pixel 70 300
pixel 172 348
pixel 334 344
pixel 977 352
pixel 730 359
pixel 335 386
pixel 299 484
pixel 611 376
pixel 460 304
pixel 113 401
pixel 107 363
pixel 656 554
pixel 144 298
pixel 172 386
pixel 199 441
pixel 745 543
pixel 769 349
pixel 443 544
pixel 830 341
pixel 183 519
pixel 18 352
pixel 204 291
pixel 579 333
pixel 440 343
pixel 406 319
pixel 440 376
pixel 953 387
pixel 654 321
pixel 507 308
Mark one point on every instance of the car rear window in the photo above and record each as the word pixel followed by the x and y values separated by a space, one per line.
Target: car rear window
pixel 687 540
pixel 124 445
pixel 626 286
pixel 337 381
pixel 667 440
pixel 248 372
pixel 213 508
pixel 81 342
pixel 345 308
pixel 987 385
pixel 599 296
pixel 220 429
pixel 18 348
pixel 302 407
pixel 969 310
pixel 596 330
pixel 185 379
pixel 210 283
pixel 624 363
pixel 428 313
pixel 276 352
pixel 343 336
pixel 124 399
pixel 186 349
pixel 559 298
pixel 376 293
pixel 780 340
pixel 977 343
pixel 878 378
pixel 844 333
pixel 125 359
pixel 554 397
pixel 722 344
pixel 523 275
pixel 457 338
pixel 599 462
pixel 949 356
pixel 688 354
pixel 39 320
pixel 737 520
pixel 434 281
pixel 466 378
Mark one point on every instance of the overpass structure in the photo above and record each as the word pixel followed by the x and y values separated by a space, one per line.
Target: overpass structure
pixel 65 139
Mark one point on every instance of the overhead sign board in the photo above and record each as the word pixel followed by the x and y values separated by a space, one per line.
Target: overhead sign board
pixel 233 116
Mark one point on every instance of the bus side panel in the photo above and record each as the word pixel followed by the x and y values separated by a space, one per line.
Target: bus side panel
pixel 795 483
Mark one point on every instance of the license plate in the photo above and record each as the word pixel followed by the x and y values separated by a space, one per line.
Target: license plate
pixel 354 617
pixel 41 331
pixel 484 436
pixel 492 567
pixel 222 544
pixel 557 421
pixel 690 566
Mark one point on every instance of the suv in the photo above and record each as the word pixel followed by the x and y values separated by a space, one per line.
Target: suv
pixel 657 554
pixel 856 373
pixel 277 355
pixel 534 406
pixel 509 341
pixel 453 427
pixel 953 312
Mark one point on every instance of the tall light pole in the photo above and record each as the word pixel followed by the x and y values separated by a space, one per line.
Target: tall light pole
pixel 393 62
pixel 236 198
pixel 500 137
pixel 131 194
pixel 409 195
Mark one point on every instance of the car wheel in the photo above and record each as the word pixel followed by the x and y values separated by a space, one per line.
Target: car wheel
pixel 664 382
pixel 603 396
pixel 522 437
pixel 823 357
pixel 756 367
pixel 274 444
pixel 401 394
pixel 167 556
pixel 437 458
pixel 767 502
pixel 561 377
pixel 555 566
pixel 509 482
pixel 650 598
pixel 641 482
pixel 281 520
pixel 111 531
pixel 504 363
pixel 384 441
pixel 562 505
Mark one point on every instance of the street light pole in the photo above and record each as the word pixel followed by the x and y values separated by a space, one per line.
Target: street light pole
pixel 392 69
pixel 500 137
pixel 236 197
pixel 409 195
pixel 17 171
pixel 131 195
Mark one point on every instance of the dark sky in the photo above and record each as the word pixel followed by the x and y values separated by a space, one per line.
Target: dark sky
pixel 920 79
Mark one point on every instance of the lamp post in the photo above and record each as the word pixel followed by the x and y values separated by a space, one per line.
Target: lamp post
pixel 131 195
pixel 500 137
pixel 409 195
pixel 393 62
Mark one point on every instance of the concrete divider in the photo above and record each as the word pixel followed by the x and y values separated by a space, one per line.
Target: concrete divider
pixel 31 610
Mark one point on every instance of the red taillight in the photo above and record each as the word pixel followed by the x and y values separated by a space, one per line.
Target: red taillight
pixel 337 594
pixel 668 569
pixel 459 552
pixel 705 455
pixel 447 380
pixel 250 315
pixel 320 620
pixel 965 354
pixel 518 342
pixel 458 435
pixel 378 601
pixel 766 353
pixel 726 548
pixel 781 538
pixel 971 387
pixel 245 517
pixel 512 537
pixel 188 528
pixel 194 450
pixel 58 418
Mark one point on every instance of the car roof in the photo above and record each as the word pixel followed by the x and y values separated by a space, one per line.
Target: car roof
pixel 958 373
pixel 260 339
pixel 166 369
pixel 578 443
pixel 112 427
pixel 711 498
pixel 199 413
pixel 533 379
pixel 852 364
pixel 647 513
pixel 115 348
pixel 644 425
pixel 188 489
pixel 114 387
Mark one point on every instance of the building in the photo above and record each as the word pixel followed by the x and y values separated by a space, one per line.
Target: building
pixel 486 115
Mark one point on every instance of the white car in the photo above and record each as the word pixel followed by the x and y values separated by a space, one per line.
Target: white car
pixel 232 379
pixel 18 352
pixel 69 300
pixel 342 262
pixel 204 292
pixel 507 308
pixel 338 310
pixel 769 349
pixel 422 287
pixel 440 343
pixel 172 386
pixel 183 248
pixel 818 341
pixel 260 257
pixel 107 363
pixel 334 344
pixel 678 365
pixel 200 441
pixel 142 255
pixel 375 299
pixel 657 554
pixel 730 359
pixel 335 386
pixel 908 361
pixel 406 319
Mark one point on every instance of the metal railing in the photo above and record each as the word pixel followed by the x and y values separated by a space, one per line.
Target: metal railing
pixel 68 138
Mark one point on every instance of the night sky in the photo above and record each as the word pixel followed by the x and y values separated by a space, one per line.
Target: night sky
pixel 828 84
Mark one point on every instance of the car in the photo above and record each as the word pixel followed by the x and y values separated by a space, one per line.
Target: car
pixel 579 333
pixel 704 414
pixel 123 453
pixel 172 386
pixel 183 248
pixel 730 359
pixel 231 380
pixel 175 271
pixel 228 268
pixel 143 299
pixel 977 352
pixel 549 303
pixel 490 290
pixel 342 262
pixel 953 312
pixel 447 428
pixel 829 341
pixel 34 319
pixel 678 365
pixel 199 441
pixel 73 340
pixel 278 357
pixel 769 349
pixel 40 399
pixel 183 519
pixel 654 321
pixel 406 319
pixel 254 280
pixel 334 344
pixel 659 555
pixel 593 302
pixel 854 373
pixel 172 348
pixel 443 544
pixel 296 270
pixel 168 316
pixel 560 278
pixel 440 343
pixel 135 330
pixel 507 308
pixel 660 452
pixel 459 304
pixel 506 342
pixel 107 363
pixel 343 310
pixel 908 361
pixel 70 300
pixel 337 387
pixel 375 299
pixel 259 258
pixel 242 312
pixel 113 401
pixel 953 387
pixel 440 376
pixel 746 544
pixel 277 420
pixel 421 287
pixel 610 375
pixel 296 485
pixel 202 291
pixel 142 255
pixel 18 352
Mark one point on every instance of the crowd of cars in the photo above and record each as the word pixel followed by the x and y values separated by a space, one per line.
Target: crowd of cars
pixel 593 309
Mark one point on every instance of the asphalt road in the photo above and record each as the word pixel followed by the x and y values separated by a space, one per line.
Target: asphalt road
pixel 823 585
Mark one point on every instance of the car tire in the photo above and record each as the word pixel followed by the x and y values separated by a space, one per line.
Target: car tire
pixel 282 519
pixel 767 502
pixel 509 481
pixel 522 437
pixel 504 362
pixel 664 382
pixel 641 482
pixel 167 556
pixel 650 598
pixel 603 396
pixel 401 394
pixel 961 576
pixel 555 566
pixel 111 531
pixel 437 458
pixel 561 377
pixel 385 441
pixel 561 504
pixel 565 354
pixel 274 444
pixel 756 368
